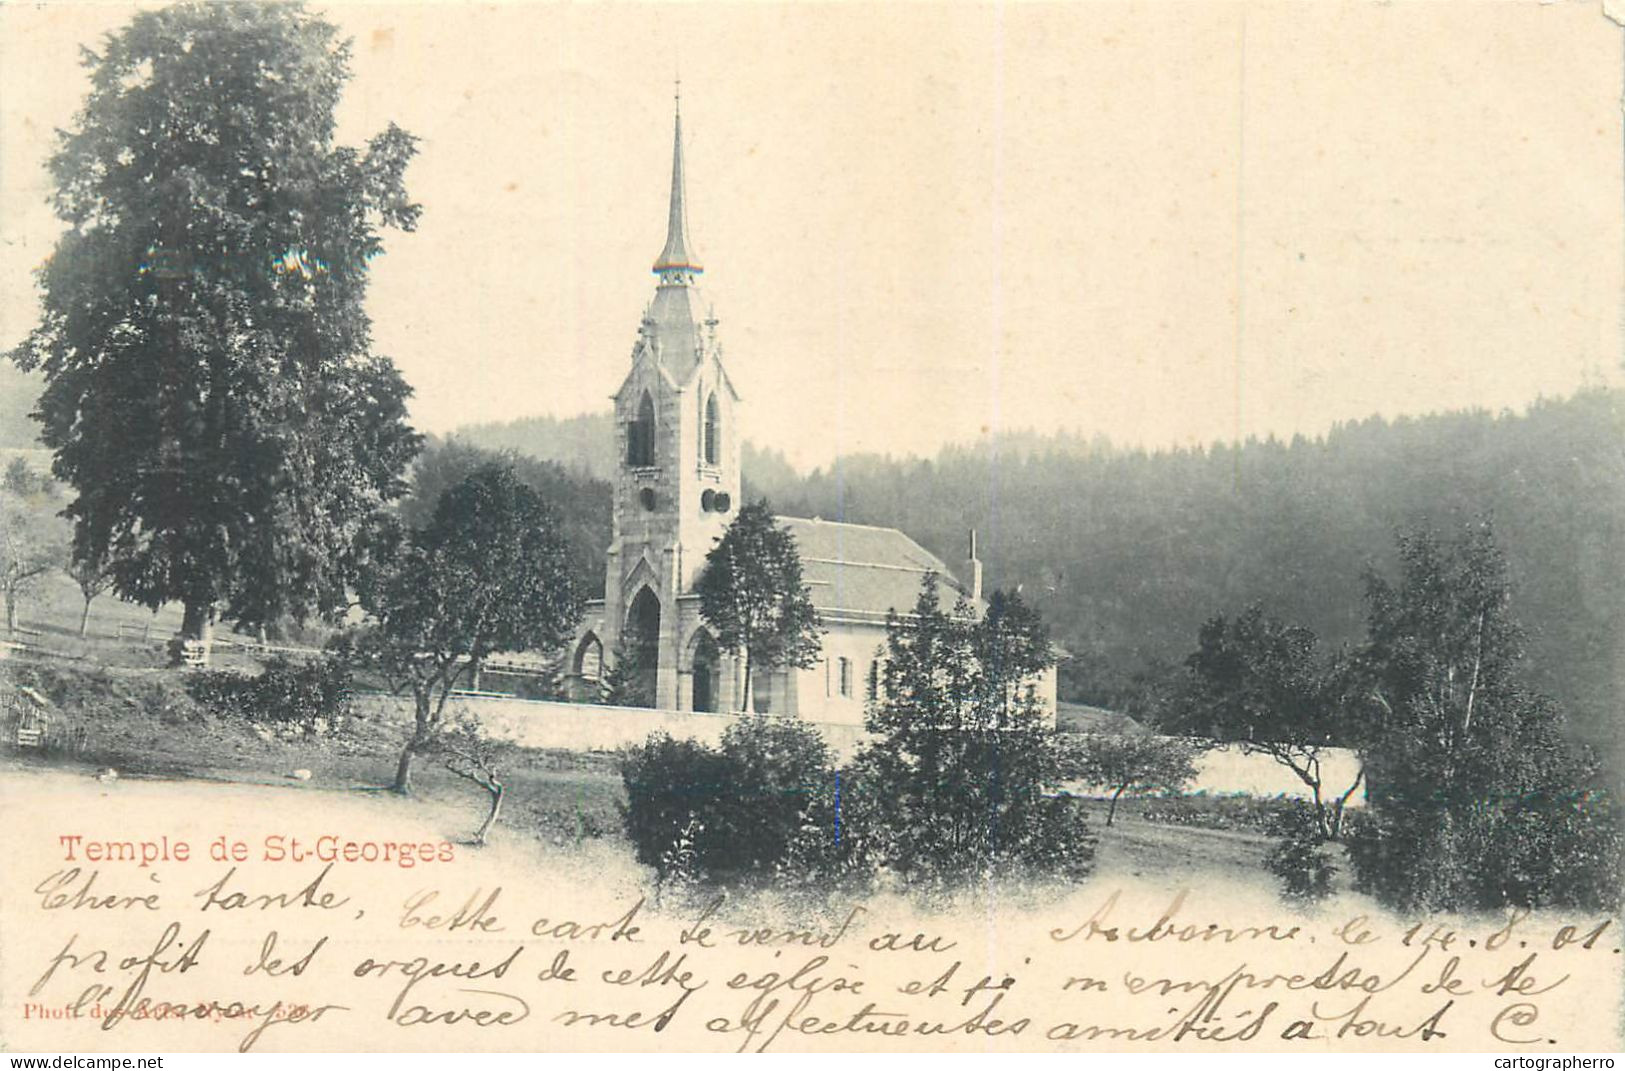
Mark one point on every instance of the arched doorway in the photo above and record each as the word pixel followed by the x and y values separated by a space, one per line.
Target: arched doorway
pixel 705 670
pixel 641 644
pixel 589 660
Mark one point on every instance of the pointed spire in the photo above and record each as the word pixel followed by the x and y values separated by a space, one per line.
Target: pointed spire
pixel 678 256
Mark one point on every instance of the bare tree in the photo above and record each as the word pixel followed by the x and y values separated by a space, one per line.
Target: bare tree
pixel 31 545
pixel 94 577
pixel 469 752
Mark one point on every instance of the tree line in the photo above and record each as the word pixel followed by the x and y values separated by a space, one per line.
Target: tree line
pixel 1128 552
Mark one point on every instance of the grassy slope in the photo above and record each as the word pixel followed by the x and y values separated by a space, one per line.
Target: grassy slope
pixel 141 723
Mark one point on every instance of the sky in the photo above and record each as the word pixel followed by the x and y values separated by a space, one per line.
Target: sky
pixel 1168 224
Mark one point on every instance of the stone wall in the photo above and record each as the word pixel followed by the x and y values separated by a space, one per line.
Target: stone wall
pixel 589 727
pixel 1223 771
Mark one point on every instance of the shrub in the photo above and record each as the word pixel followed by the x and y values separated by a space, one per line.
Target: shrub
pixel 781 777
pixel 1057 839
pixel 989 813
pixel 1301 859
pixel 286 692
pixel 1554 848
pixel 668 782
pixel 763 802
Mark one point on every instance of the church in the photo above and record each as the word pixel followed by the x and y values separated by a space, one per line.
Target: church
pixel 677 487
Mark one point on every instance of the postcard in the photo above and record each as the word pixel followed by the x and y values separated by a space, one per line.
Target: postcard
pixel 812 528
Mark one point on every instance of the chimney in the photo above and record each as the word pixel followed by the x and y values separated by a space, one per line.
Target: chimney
pixel 973 569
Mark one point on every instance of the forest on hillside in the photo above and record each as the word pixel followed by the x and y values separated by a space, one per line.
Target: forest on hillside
pixel 1127 552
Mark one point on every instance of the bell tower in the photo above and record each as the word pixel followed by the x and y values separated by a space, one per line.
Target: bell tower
pixel 677 469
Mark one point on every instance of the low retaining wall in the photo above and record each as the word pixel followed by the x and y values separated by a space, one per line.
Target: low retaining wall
pixel 1222 771
pixel 1226 771
pixel 590 727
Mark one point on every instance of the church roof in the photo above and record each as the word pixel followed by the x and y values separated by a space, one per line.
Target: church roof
pixel 1083 718
pixel 678 255
pixel 676 320
pixel 860 571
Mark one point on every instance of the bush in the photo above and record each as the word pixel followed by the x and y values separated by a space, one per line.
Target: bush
pixel 1559 848
pixel 1301 859
pixel 668 784
pixel 1057 839
pixel 990 812
pixel 781 777
pixel 285 692
pixel 763 802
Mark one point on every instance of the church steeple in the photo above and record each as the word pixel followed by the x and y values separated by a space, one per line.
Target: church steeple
pixel 678 258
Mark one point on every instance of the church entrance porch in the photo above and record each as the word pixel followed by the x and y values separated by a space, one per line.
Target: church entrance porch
pixel 705 673
pixel 641 644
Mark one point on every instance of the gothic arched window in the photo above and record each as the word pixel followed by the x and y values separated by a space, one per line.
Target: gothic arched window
pixel 713 430
pixel 640 435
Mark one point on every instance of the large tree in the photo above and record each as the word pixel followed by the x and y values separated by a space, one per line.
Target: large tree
pixel 1261 685
pixel 211 394
pixel 489 573
pixel 753 596
pixel 1477 798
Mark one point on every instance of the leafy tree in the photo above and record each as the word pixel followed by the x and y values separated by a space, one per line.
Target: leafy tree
pixel 753 597
pixel 31 544
pixel 960 778
pixel 211 395
pixel 583 503
pixel 488 573
pixel 1137 763
pixel 470 752
pixel 1261 685
pixel 1477 800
